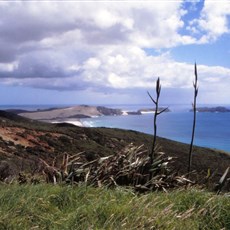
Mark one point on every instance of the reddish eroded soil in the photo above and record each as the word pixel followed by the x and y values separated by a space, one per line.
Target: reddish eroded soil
pixel 25 137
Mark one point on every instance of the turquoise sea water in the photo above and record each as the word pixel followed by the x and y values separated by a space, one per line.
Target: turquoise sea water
pixel 212 129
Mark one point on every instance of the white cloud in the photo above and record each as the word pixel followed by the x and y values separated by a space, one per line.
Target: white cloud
pixel 8 67
pixel 213 21
pixel 100 46
pixel 117 68
pixel 142 23
pixel 92 63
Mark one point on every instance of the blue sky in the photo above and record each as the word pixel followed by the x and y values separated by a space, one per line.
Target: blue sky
pixel 106 52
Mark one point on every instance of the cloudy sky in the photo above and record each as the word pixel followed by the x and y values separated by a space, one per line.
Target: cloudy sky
pixel 103 52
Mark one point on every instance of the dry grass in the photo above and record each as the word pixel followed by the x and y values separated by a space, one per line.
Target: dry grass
pixel 131 167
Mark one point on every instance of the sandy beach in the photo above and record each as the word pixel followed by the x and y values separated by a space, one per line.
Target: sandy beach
pixel 73 122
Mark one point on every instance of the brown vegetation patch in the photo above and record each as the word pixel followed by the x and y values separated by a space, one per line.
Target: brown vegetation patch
pixel 15 135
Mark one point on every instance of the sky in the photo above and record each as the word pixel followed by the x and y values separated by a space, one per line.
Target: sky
pixel 112 52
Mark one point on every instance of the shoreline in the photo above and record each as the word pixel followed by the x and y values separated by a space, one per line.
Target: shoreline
pixel 73 122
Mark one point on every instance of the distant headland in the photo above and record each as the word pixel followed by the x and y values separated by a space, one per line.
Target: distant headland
pixel 78 112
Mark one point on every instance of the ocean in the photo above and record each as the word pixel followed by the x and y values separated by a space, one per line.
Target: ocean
pixel 212 129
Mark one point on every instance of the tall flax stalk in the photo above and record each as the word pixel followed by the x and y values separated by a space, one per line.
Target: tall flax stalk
pixel 195 85
pixel 156 113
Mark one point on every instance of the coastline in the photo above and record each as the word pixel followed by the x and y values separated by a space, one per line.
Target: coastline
pixel 73 122
pixel 73 115
pixel 80 123
pixel 212 128
pixel 78 112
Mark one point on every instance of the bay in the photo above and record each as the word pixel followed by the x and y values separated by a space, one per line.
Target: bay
pixel 212 129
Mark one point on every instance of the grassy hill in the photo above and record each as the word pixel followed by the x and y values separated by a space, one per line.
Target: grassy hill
pixel 23 142
pixel 65 207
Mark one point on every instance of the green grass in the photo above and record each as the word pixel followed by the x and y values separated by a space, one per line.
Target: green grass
pixel 61 207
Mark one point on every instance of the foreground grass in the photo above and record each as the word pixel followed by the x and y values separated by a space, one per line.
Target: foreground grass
pixel 63 207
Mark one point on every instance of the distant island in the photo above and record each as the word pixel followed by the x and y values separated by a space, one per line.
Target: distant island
pixel 145 111
pixel 218 109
